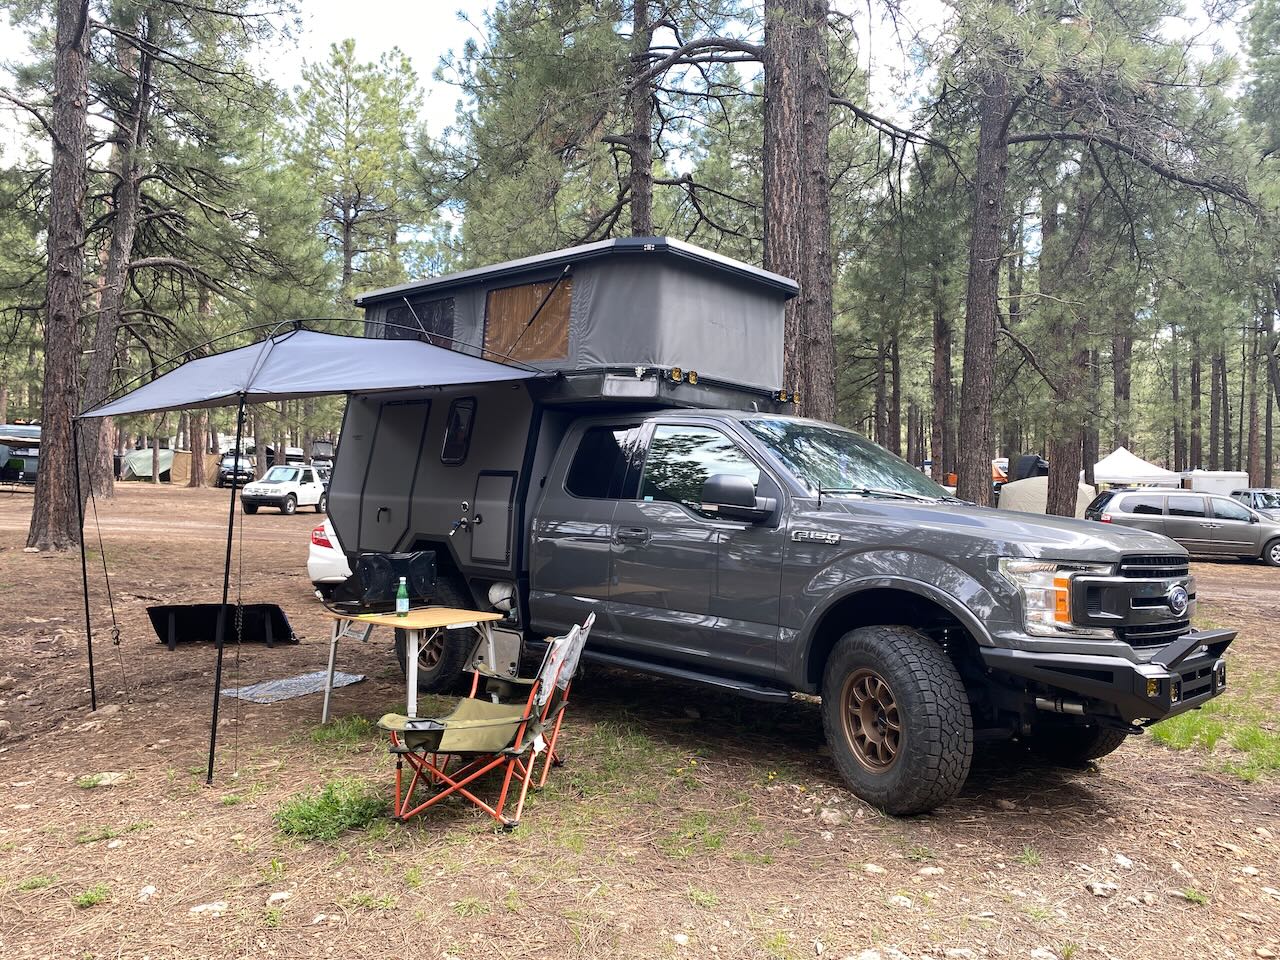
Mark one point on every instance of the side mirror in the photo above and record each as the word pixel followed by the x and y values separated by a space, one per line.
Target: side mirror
pixel 734 498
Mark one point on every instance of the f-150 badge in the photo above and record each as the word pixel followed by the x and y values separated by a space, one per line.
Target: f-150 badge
pixel 814 536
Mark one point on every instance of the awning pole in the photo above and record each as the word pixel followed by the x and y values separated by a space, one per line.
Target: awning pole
pixel 226 587
pixel 84 564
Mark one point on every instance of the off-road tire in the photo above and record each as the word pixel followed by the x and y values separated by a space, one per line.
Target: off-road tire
pixel 1271 553
pixel 1074 745
pixel 249 508
pixel 290 505
pixel 456 645
pixel 322 505
pixel 935 740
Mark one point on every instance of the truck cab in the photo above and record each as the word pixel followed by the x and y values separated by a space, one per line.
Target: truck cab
pixel 721 539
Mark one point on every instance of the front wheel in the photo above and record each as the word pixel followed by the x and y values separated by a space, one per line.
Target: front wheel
pixel 289 506
pixel 897 719
pixel 249 508
pixel 1271 553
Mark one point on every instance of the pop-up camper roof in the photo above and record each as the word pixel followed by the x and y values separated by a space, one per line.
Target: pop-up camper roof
pixel 619 304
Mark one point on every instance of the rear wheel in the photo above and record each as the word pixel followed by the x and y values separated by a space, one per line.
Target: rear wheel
pixel 289 506
pixel 1074 745
pixel 443 660
pixel 322 505
pixel 897 719
pixel 1271 553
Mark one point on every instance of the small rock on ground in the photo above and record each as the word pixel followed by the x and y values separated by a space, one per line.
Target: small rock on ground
pixel 898 900
pixel 872 868
pixel 215 909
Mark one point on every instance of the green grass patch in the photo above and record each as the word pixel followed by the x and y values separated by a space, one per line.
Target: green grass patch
pixel 1192 895
pixel 92 897
pixel 345 731
pixel 1237 730
pixel 110 833
pixel 339 806
pixel 1030 857
pixel 694 835
pixel 471 907
pixel 369 902
pixel 703 898
pixel 35 883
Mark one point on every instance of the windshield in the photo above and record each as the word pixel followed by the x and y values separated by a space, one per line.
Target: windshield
pixel 1267 500
pixel 229 461
pixel 828 459
pixel 281 475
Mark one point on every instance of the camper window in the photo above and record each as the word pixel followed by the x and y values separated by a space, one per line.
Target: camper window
pixel 599 467
pixel 429 316
pixel 509 333
pixel 457 435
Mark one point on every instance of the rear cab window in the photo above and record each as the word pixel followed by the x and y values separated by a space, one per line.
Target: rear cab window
pixel 601 464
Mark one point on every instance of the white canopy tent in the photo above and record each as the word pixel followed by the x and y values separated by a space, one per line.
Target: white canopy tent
pixel 1123 467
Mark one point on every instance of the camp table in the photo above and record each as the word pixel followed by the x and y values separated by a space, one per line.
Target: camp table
pixel 415 623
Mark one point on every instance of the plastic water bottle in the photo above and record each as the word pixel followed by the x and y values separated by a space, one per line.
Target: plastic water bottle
pixel 402 599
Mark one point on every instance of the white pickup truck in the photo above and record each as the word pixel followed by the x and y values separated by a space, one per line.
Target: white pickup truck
pixel 287 488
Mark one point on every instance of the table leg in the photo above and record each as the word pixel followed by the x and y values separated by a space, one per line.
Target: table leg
pixel 333 657
pixel 411 670
pixel 487 629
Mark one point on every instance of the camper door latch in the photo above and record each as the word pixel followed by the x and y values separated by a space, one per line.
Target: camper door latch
pixel 463 522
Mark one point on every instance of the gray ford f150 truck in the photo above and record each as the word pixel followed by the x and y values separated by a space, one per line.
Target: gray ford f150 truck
pixel 721 540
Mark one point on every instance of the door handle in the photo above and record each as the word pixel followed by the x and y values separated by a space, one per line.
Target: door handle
pixel 1211 526
pixel 632 535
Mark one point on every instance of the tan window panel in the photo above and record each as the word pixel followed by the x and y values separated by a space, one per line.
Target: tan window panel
pixel 507 311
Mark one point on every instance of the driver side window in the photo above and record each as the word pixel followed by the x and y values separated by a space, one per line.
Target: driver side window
pixel 680 460
pixel 1230 510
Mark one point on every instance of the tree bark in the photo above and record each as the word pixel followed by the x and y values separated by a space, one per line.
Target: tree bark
pixel 1196 456
pixel 982 296
pixel 797 193
pixel 1227 459
pixel 1215 412
pixel 54 515
pixel 882 393
pixel 130 136
pixel 1121 377
pixel 895 395
pixel 1089 450
pixel 199 434
pixel 1175 388
pixel 940 386
pixel 640 111
pixel 1254 457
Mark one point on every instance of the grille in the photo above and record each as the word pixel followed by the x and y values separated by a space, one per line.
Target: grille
pixel 1155 566
pixel 1154 634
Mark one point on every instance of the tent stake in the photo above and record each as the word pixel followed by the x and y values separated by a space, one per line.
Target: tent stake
pixel 226 586
pixel 84 564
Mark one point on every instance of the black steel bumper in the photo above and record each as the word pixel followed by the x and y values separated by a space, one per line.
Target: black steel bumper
pixel 1181 676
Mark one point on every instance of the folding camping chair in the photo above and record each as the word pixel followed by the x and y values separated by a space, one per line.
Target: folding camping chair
pixel 448 754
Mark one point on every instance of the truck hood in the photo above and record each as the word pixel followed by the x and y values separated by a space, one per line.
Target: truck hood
pixel 1004 532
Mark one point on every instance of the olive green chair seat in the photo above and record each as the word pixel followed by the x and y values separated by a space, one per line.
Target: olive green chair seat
pixel 474 726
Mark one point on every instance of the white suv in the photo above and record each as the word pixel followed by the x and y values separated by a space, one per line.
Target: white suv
pixel 286 487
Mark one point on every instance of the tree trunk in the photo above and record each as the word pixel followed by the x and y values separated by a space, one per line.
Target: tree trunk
pixel 1254 458
pixel 640 140
pixel 941 387
pixel 1089 450
pixel 54 523
pixel 199 434
pixel 1175 391
pixel 895 395
pixel 1197 438
pixel 982 296
pixel 882 394
pixel 797 193
pixel 130 132
pixel 1215 412
pixel 1227 459
pixel 1121 377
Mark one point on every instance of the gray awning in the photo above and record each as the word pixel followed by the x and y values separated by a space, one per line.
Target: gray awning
pixel 303 363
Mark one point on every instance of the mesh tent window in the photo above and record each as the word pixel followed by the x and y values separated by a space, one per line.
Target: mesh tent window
pixel 508 332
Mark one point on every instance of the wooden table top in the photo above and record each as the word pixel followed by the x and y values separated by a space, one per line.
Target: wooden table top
pixel 422 618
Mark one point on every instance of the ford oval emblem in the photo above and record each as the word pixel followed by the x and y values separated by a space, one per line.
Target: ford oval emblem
pixel 1178 600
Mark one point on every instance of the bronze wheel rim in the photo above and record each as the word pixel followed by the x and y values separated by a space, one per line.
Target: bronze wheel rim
pixel 872 725
pixel 429 653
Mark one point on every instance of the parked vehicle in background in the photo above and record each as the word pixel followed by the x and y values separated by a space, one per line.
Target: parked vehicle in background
pixel 239 468
pixel 1265 500
pixel 326 563
pixel 1204 523
pixel 286 488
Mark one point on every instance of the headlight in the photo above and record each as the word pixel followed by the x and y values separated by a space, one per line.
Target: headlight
pixel 1045 586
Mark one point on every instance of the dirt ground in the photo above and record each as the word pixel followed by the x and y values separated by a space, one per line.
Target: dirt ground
pixel 685 824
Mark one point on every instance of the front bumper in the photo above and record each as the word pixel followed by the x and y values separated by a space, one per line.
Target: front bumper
pixel 262 500
pixel 1181 676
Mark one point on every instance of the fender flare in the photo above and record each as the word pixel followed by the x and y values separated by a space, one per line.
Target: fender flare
pixel 926 591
